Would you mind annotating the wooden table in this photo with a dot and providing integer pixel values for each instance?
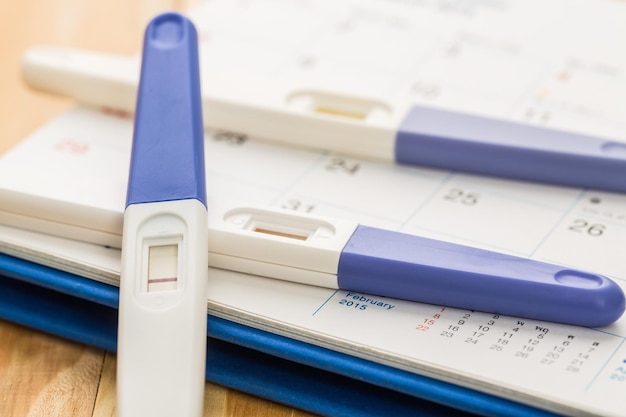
(42, 375)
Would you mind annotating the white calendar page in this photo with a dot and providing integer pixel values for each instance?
(559, 64)
(555, 63)
(81, 159)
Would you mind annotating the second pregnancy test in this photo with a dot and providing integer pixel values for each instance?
(163, 282)
(369, 127)
(345, 255)
(336, 253)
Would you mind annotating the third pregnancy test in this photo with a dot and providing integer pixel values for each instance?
(374, 128)
(163, 280)
(344, 255)
(341, 254)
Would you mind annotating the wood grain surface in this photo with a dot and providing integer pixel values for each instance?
(42, 375)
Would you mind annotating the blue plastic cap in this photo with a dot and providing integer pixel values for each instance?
(408, 267)
(446, 139)
(167, 160)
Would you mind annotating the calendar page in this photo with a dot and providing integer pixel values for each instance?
(80, 160)
(554, 63)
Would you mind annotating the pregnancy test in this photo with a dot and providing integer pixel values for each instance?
(344, 255)
(365, 127)
(163, 284)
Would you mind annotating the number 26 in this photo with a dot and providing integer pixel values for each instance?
(583, 226)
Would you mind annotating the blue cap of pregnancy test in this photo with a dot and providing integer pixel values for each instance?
(167, 160)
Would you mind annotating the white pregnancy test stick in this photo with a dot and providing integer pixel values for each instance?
(336, 253)
(360, 126)
(163, 285)
(341, 254)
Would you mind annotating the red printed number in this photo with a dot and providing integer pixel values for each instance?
(72, 147)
